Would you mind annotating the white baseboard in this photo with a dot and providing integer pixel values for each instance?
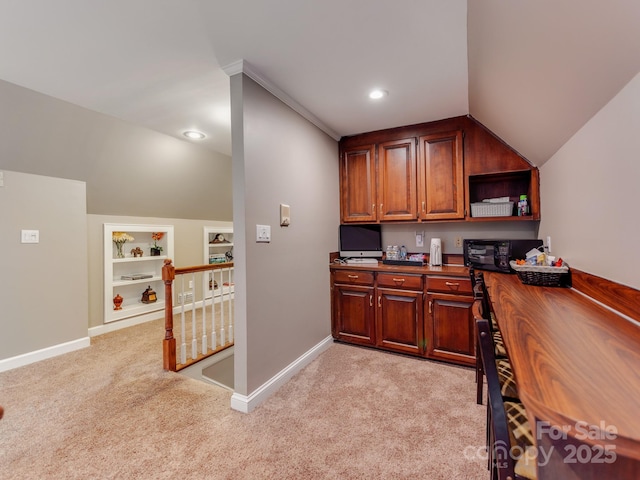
(124, 323)
(246, 403)
(43, 354)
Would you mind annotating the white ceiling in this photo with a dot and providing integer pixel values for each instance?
(534, 72)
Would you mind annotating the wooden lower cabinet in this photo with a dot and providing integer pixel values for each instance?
(399, 321)
(353, 314)
(421, 315)
(449, 328)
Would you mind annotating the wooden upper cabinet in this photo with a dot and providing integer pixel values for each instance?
(358, 184)
(397, 180)
(432, 172)
(441, 176)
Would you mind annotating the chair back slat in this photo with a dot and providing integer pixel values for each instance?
(500, 443)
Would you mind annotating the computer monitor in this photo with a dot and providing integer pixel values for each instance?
(361, 241)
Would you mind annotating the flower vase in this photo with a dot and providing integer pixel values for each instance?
(120, 253)
(155, 252)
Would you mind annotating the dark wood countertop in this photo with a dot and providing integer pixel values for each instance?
(452, 270)
(574, 360)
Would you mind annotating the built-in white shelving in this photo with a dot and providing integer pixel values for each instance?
(147, 266)
(218, 248)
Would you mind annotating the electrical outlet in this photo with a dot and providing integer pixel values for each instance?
(187, 297)
(419, 239)
(549, 243)
(459, 242)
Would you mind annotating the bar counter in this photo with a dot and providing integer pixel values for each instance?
(577, 366)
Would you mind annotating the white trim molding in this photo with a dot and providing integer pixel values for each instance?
(242, 66)
(43, 354)
(246, 403)
(126, 322)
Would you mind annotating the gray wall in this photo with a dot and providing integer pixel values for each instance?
(128, 170)
(403, 234)
(283, 301)
(43, 287)
(589, 191)
(126, 173)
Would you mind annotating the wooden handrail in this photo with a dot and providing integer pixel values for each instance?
(169, 273)
(201, 268)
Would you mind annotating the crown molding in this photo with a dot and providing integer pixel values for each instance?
(242, 66)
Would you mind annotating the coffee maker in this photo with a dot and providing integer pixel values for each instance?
(435, 252)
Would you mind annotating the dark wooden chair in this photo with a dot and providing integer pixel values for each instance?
(483, 309)
(509, 436)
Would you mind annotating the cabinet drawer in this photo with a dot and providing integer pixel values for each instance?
(458, 285)
(353, 277)
(400, 280)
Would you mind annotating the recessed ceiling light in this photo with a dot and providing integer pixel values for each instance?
(377, 94)
(194, 135)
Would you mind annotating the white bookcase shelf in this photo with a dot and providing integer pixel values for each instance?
(131, 289)
(218, 245)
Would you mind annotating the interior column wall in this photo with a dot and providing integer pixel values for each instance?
(283, 159)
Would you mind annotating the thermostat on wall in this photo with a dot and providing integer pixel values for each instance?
(285, 215)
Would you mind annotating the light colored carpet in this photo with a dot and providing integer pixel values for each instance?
(111, 412)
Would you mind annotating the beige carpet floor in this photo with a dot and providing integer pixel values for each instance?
(111, 412)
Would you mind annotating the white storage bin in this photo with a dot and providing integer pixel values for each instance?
(490, 209)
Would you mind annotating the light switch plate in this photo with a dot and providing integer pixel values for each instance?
(30, 236)
(263, 233)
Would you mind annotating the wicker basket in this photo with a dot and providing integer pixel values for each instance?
(490, 209)
(540, 275)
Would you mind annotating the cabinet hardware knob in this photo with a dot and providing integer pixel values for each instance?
(371, 300)
(430, 306)
(379, 300)
(452, 284)
(380, 209)
(399, 280)
(424, 207)
(373, 208)
(353, 277)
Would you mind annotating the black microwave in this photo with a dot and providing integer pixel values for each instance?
(496, 254)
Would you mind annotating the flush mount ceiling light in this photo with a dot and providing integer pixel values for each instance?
(194, 135)
(377, 94)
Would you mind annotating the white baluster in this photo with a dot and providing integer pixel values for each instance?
(204, 312)
(229, 302)
(214, 339)
(222, 340)
(183, 345)
(194, 334)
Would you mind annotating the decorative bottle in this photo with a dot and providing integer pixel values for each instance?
(523, 206)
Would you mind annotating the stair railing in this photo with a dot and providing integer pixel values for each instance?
(204, 304)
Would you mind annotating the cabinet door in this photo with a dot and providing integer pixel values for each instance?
(397, 180)
(441, 176)
(399, 320)
(449, 328)
(353, 319)
(358, 184)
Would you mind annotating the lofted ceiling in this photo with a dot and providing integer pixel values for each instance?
(532, 71)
